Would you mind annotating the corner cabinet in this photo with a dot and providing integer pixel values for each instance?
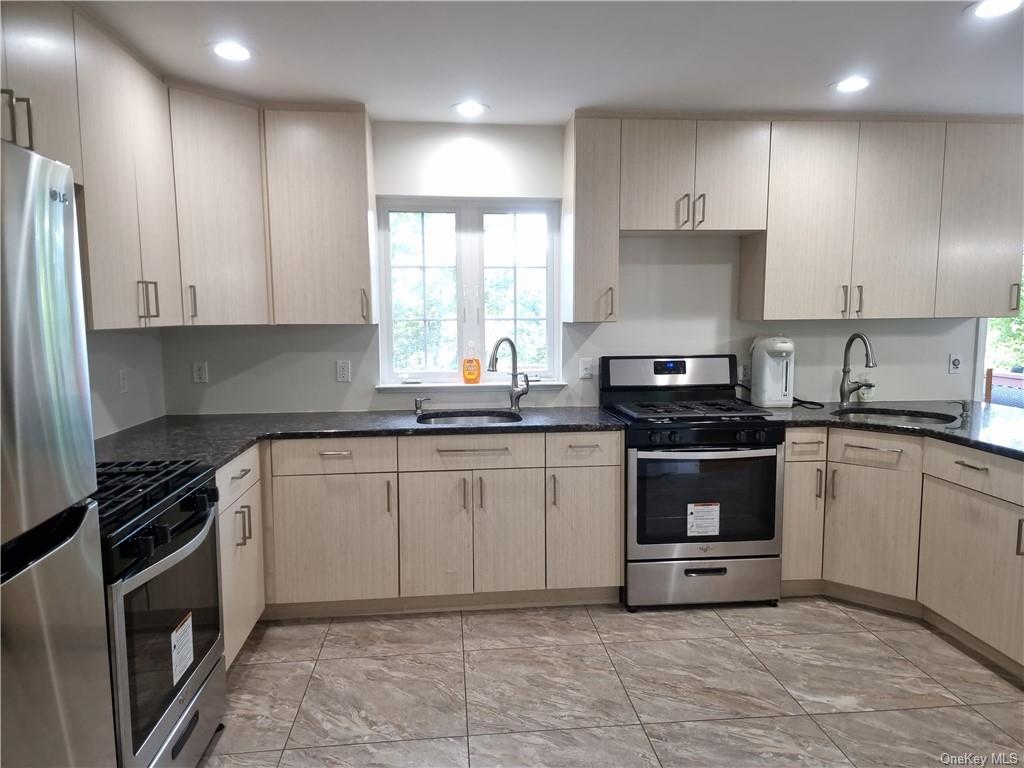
(321, 216)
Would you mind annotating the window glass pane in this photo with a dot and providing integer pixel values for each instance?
(442, 345)
(531, 292)
(407, 345)
(407, 293)
(531, 240)
(439, 231)
(406, 239)
(499, 239)
(499, 292)
(532, 343)
(441, 293)
(494, 330)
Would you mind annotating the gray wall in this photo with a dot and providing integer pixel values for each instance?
(139, 355)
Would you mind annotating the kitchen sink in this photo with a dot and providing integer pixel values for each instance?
(469, 418)
(895, 416)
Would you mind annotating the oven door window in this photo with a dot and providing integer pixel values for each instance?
(158, 612)
(686, 499)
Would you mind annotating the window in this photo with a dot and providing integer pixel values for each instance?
(459, 275)
(1003, 366)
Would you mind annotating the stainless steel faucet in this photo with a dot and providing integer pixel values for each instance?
(516, 392)
(847, 387)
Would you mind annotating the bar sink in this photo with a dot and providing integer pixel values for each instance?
(894, 416)
(469, 418)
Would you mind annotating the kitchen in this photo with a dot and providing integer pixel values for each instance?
(517, 407)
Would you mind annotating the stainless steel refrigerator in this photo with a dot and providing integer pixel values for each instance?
(56, 703)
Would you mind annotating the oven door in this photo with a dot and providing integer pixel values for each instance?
(703, 503)
(166, 637)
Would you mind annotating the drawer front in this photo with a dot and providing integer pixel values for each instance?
(334, 456)
(449, 452)
(875, 449)
(807, 444)
(238, 476)
(584, 449)
(997, 476)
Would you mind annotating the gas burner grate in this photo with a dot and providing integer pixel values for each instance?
(130, 485)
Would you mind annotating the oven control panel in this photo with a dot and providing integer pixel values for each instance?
(722, 434)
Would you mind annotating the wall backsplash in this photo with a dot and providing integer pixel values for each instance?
(139, 355)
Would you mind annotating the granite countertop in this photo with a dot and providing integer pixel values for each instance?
(993, 428)
(216, 439)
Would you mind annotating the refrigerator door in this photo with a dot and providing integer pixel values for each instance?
(56, 707)
(48, 461)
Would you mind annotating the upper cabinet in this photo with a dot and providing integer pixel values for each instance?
(590, 220)
(981, 238)
(320, 212)
(685, 174)
(219, 190)
(39, 63)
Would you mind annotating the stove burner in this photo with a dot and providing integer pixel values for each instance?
(689, 409)
(127, 487)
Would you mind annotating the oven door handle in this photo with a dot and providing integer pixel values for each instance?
(742, 453)
(150, 573)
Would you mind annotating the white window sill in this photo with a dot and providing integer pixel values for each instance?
(440, 386)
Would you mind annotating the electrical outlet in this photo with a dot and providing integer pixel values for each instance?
(955, 362)
(586, 367)
(344, 371)
(743, 371)
(122, 380)
(200, 372)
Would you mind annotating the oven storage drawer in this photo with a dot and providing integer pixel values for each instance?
(675, 582)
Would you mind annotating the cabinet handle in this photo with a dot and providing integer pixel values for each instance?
(13, 110)
(481, 480)
(465, 495)
(554, 490)
(860, 300)
(193, 302)
(144, 285)
(31, 146)
(703, 207)
(156, 297)
(821, 480)
(335, 453)
(834, 471)
(1020, 536)
(241, 511)
(846, 299)
(248, 517)
(611, 300)
(1015, 296)
(364, 304)
(873, 448)
(970, 466)
(808, 442)
(583, 446)
(503, 449)
(680, 205)
(387, 484)
(241, 474)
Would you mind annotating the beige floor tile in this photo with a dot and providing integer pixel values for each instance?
(393, 635)
(520, 689)
(272, 641)
(915, 737)
(1009, 717)
(419, 753)
(527, 627)
(969, 680)
(789, 617)
(358, 700)
(262, 700)
(847, 672)
(242, 760)
(794, 741)
(620, 746)
(616, 625)
(706, 679)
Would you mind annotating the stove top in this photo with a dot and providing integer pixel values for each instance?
(129, 492)
(689, 410)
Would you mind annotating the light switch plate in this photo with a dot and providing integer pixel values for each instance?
(586, 367)
(343, 372)
(122, 380)
(956, 361)
(200, 372)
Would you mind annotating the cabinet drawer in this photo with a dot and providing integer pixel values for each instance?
(238, 476)
(875, 449)
(498, 451)
(333, 456)
(997, 476)
(584, 449)
(807, 444)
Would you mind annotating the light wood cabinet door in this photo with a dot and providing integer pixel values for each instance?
(39, 62)
(508, 529)
(982, 231)
(731, 174)
(435, 533)
(317, 203)
(657, 162)
(872, 522)
(240, 532)
(218, 186)
(971, 571)
(809, 244)
(896, 233)
(585, 527)
(803, 520)
(109, 213)
(335, 537)
(590, 221)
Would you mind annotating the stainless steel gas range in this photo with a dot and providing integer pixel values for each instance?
(704, 482)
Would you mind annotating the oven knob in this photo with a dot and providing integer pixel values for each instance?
(741, 436)
(144, 546)
(654, 436)
(760, 435)
(673, 437)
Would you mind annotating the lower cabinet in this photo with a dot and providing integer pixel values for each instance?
(335, 537)
(436, 533)
(240, 537)
(803, 520)
(584, 527)
(508, 529)
(971, 571)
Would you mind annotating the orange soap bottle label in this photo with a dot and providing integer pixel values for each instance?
(471, 370)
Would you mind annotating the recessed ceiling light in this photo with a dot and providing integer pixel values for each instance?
(852, 83)
(232, 51)
(470, 108)
(988, 9)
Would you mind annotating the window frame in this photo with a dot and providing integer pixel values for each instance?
(469, 272)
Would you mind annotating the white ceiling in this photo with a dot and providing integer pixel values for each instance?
(534, 62)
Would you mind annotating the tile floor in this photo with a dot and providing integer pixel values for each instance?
(810, 683)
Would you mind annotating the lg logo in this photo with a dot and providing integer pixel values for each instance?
(704, 547)
(58, 197)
